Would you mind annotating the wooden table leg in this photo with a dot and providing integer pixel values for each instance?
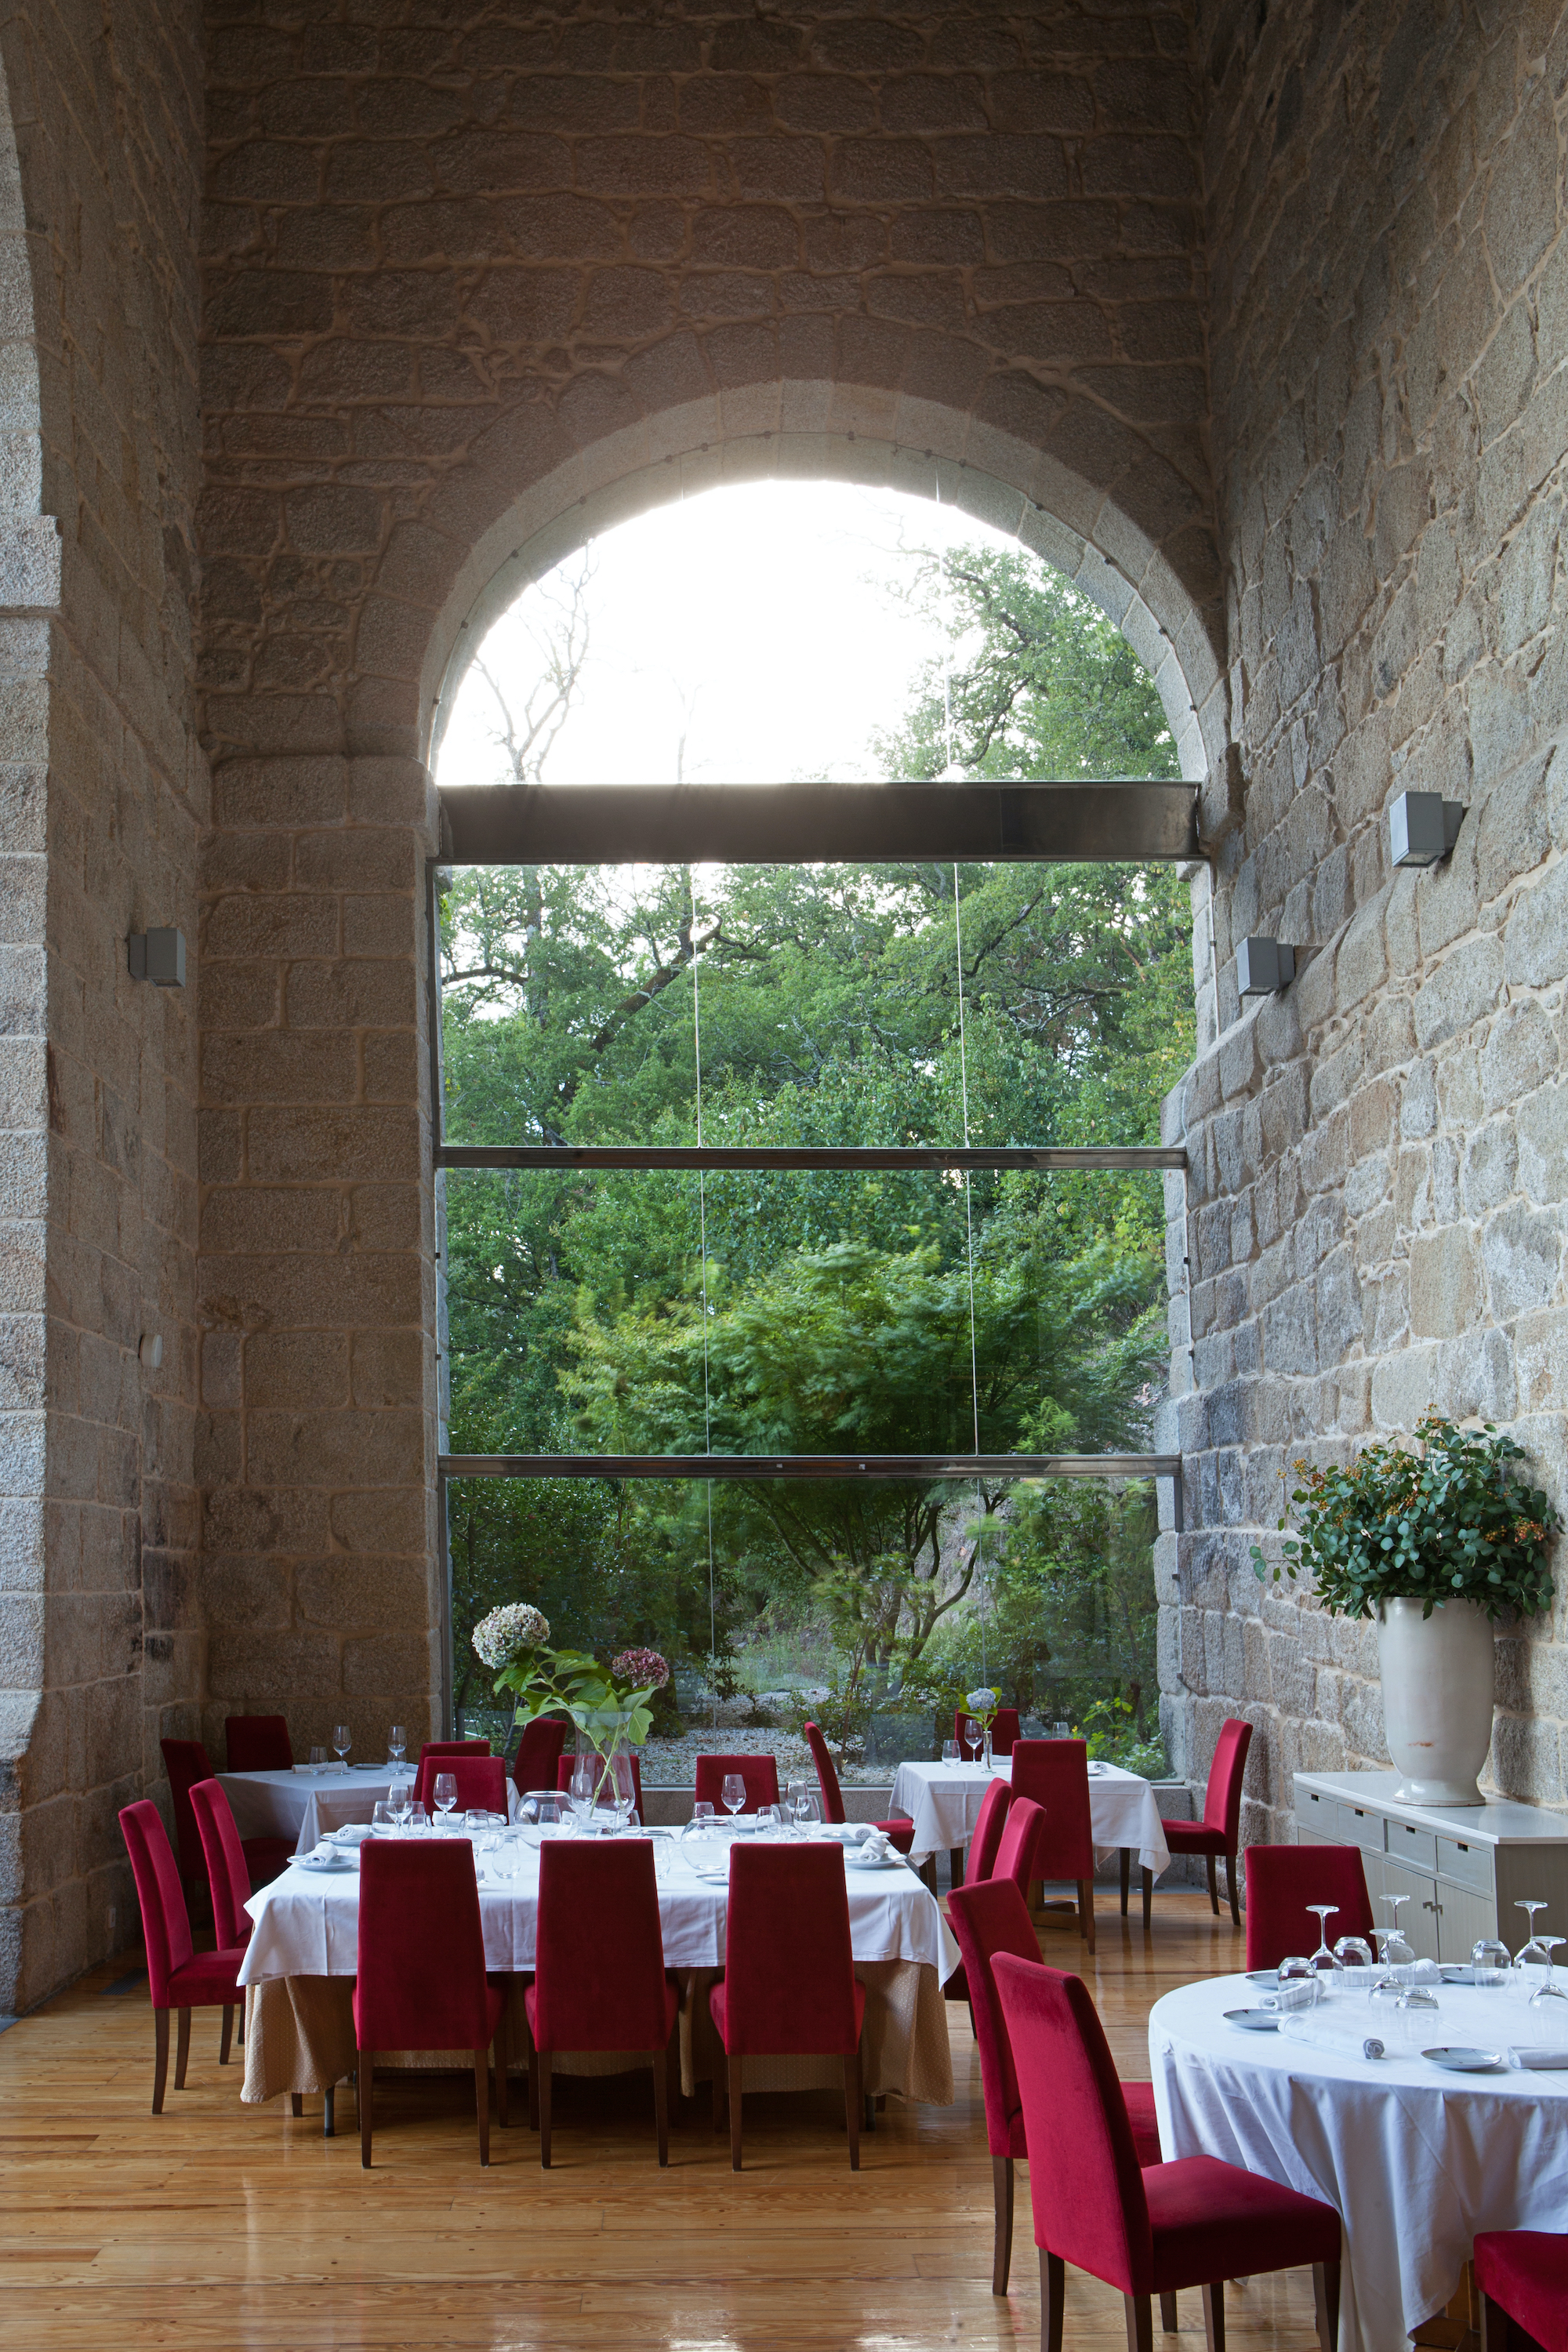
(1126, 1876)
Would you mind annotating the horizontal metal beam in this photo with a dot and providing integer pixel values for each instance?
(1048, 1157)
(754, 1466)
(1122, 822)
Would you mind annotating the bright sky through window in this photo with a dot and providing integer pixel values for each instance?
(751, 634)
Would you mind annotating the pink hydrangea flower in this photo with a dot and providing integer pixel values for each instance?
(642, 1667)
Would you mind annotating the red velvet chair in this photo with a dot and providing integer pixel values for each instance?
(568, 1765)
(1523, 2275)
(984, 1847)
(1003, 1730)
(1055, 1773)
(258, 1743)
(453, 1748)
(227, 1876)
(538, 1754)
(900, 1834)
(1219, 1830)
(1281, 1880)
(1017, 1850)
(185, 1762)
(600, 1982)
(759, 1773)
(789, 1985)
(990, 1916)
(421, 1983)
(179, 1977)
(1193, 2222)
(481, 1782)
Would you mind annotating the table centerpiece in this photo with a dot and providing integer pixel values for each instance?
(610, 1706)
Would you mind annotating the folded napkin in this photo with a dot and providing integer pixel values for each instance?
(1538, 2057)
(875, 1847)
(1346, 2029)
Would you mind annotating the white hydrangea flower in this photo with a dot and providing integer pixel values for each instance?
(506, 1633)
(981, 1702)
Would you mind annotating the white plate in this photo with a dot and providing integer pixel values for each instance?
(874, 1862)
(326, 1863)
(1094, 1769)
(1460, 2060)
(1254, 2020)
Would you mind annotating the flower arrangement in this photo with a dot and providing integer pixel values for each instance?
(611, 1705)
(510, 1632)
(982, 1704)
(1449, 1523)
(641, 1666)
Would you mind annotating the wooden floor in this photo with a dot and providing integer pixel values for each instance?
(222, 2226)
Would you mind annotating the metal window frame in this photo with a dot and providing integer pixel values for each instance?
(1123, 821)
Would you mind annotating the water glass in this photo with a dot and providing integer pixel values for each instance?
(767, 1821)
(733, 1792)
(1353, 1954)
(1489, 1963)
(396, 1744)
(1062, 1730)
(582, 1793)
(807, 1812)
(318, 1759)
(342, 1740)
(1301, 1986)
(476, 1818)
(384, 1817)
(1418, 2017)
(418, 1819)
(550, 1810)
(446, 1793)
(950, 1751)
(622, 1789)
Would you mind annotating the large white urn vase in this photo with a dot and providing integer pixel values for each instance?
(1436, 1697)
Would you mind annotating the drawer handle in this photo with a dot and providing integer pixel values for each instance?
(1431, 1906)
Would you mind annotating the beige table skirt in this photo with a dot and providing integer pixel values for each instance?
(299, 2036)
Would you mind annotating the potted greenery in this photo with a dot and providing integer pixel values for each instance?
(610, 1706)
(1437, 1546)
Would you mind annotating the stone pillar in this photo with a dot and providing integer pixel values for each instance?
(316, 1456)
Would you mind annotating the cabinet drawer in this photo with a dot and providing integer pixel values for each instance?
(1360, 1827)
(1468, 1866)
(1319, 1814)
(1417, 1847)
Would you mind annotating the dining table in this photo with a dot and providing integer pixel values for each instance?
(304, 1802)
(943, 1801)
(303, 1954)
(1416, 2158)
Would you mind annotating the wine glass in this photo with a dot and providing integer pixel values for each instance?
(950, 1751)
(971, 1735)
(1323, 1958)
(1551, 1995)
(1490, 1962)
(342, 1740)
(807, 1812)
(1396, 1953)
(1532, 1955)
(584, 1781)
(383, 1818)
(733, 1792)
(400, 1796)
(396, 1744)
(622, 1789)
(446, 1793)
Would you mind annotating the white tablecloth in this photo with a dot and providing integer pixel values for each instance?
(943, 1801)
(1415, 2160)
(307, 1923)
(304, 1806)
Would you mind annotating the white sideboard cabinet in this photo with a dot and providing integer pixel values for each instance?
(1464, 1866)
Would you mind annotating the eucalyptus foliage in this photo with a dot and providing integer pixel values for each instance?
(1450, 1523)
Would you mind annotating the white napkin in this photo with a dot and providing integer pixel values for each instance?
(1344, 2029)
(1537, 2057)
(875, 1847)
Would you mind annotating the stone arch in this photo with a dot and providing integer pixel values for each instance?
(805, 429)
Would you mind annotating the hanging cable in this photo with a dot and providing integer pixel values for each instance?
(703, 1247)
(969, 1252)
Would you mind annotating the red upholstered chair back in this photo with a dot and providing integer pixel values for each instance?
(568, 1765)
(185, 1762)
(826, 1777)
(258, 1743)
(1221, 1798)
(481, 1781)
(538, 1754)
(1281, 1880)
(165, 1922)
(421, 1948)
(988, 1829)
(1003, 1730)
(990, 1915)
(1084, 2179)
(454, 1747)
(599, 1959)
(1055, 1773)
(1018, 1854)
(759, 1773)
(227, 1873)
(789, 1974)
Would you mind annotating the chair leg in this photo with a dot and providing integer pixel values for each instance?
(532, 2086)
(1326, 2296)
(1126, 1876)
(1085, 1911)
(483, 2101)
(225, 2037)
(928, 1871)
(735, 2068)
(1494, 2321)
(1053, 2293)
(1213, 2315)
(715, 2095)
(330, 2113)
(1148, 1878)
(1235, 1890)
(1140, 2323)
(365, 2086)
(955, 1865)
(546, 2062)
(182, 2049)
(852, 2108)
(1213, 1889)
(160, 2057)
(296, 2103)
(1002, 2245)
(503, 2063)
(1169, 2320)
(661, 2103)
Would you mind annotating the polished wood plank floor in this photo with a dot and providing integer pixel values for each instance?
(220, 2226)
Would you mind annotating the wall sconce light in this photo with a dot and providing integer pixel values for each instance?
(158, 956)
(1423, 828)
(1263, 967)
(151, 1349)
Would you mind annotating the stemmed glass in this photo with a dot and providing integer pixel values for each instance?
(1322, 1959)
(446, 1793)
(1535, 1954)
(580, 1793)
(342, 1740)
(622, 1789)
(972, 1735)
(806, 1810)
(1550, 1995)
(1396, 1952)
(396, 1744)
(400, 1800)
(733, 1792)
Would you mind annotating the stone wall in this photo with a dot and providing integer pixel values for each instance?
(102, 792)
(1380, 1155)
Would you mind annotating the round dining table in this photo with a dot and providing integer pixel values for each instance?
(1414, 2159)
(303, 1955)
